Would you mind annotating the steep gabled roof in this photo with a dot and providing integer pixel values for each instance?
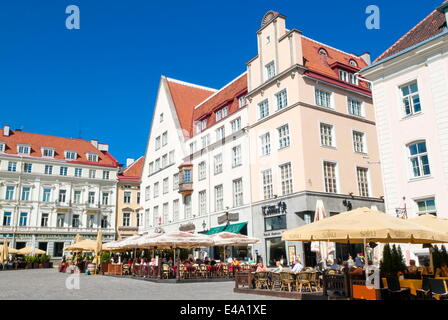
(134, 171)
(227, 96)
(60, 145)
(429, 27)
(185, 97)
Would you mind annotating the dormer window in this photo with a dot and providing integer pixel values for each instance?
(323, 52)
(48, 152)
(222, 113)
(23, 149)
(2, 147)
(242, 101)
(348, 77)
(353, 63)
(92, 157)
(70, 155)
(201, 125)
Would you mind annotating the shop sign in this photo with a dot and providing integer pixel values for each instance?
(188, 227)
(273, 234)
(280, 208)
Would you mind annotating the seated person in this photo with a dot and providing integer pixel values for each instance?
(261, 267)
(279, 267)
(426, 270)
(412, 268)
(442, 271)
(235, 262)
(298, 266)
(334, 265)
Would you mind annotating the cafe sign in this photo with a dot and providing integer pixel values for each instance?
(280, 208)
(187, 227)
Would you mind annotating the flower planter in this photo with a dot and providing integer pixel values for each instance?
(28, 266)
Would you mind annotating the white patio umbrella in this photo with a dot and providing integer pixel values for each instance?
(129, 243)
(179, 239)
(226, 239)
(323, 249)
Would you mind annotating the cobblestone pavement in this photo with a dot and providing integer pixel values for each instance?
(42, 284)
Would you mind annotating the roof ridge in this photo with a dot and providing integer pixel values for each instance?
(402, 37)
(350, 54)
(132, 164)
(188, 84)
(52, 136)
(218, 91)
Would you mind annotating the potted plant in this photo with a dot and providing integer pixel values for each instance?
(29, 262)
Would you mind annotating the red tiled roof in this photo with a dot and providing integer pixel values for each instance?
(429, 27)
(227, 96)
(327, 66)
(134, 171)
(185, 97)
(60, 145)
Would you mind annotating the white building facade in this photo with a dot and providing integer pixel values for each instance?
(53, 188)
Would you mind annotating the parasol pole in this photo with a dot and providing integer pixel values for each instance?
(431, 261)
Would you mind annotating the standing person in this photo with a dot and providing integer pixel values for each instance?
(359, 261)
(350, 262)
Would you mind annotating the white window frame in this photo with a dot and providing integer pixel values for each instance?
(361, 107)
(330, 100)
(263, 109)
(281, 98)
(333, 135)
(336, 172)
(284, 137)
(363, 142)
(410, 97)
(265, 144)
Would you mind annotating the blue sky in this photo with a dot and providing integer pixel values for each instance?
(100, 82)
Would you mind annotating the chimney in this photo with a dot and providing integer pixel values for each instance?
(6, 130)
(94, 143)
(444, 9)
(103, 147)
(366, 58)
(129, 161)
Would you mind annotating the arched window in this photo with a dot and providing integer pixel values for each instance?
(323, 52)
(353, 63)
(418, 159)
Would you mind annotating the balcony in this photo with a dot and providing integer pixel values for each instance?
(186, 179)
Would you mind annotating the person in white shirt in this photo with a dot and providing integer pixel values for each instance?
(298, 266)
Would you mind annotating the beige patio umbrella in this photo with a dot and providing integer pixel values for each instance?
(183, 240)
(322, 248)
(146, 240)
(98, 247)
(28, 250)
(83, 245)
(4, 254)
(129, 243)
(10, 250)
(364, 225)
(232, 239)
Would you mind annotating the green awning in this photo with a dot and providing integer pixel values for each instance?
(215, 230)
(235, 228)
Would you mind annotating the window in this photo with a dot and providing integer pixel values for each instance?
(77, 197)
(63, 171)
(104, 222)
(60, 220)
(343, 75)
(363, 181)
(330, 177)
(164, 161)
(158, 143)
(242, 101)
(161, 118)
(265, 144)
(26, 193)
(147, 217)
(267, 184)
(23, 149)
(156, 190)
(323, 98)
(275, 223)
(139, 219)
(237, 192)
(90, 221)
(27, 167)
(187, 206)
(44, 220)
(219, 198)
(106, 175)
(263, 109)
(105, 199)
(326, 135)
(147, 193)
(358, 142)
(418, 157)
(7, 218)
(155, 215)
(283, 136)
(176, 181)
(75, 221)
(47, 152)
(355, 107)
(270, 70)
(348, 77)
(62, 196)
(205, 141)
(427, 206)
(282, 99)
(193, 147)
(70, 155)
(12, 166)
(127, 197)
(411, 99)
(198, 127)
(164, 138)
(46, 196)
(23, 221)
(126, 219)
(286, 176)
(165, 186)
(92, 157)
(92, 173)
(218, 163)
(221, 113)
(202, 171)
(78, 172)
(236, 125)
(220, 133)
(202, 202)
(171, 156)
(203, 124)
(9, 193)
(48, 169)
(236, 156)
(165, 213)
(91, 197)
(187, 176)
(157, 165)
(176, 210)
(2, 147)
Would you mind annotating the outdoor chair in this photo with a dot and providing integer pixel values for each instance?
(261, 280)
(225, 271)
(425, 292)
(182, 271)
(394, 290)
(331, 271)
(416, 275)
(126, 269)
(275, 281)
(287, 280)
(303, 281)
(315, 280)
(165, 271)
(203, 270)
(438, 288)
(308, 269)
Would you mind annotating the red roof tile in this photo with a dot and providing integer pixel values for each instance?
(59, 144)
(134, 171)
(429, 27)
(227, 96)
(185, 97)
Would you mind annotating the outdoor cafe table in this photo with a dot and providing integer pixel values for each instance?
(412, 284)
